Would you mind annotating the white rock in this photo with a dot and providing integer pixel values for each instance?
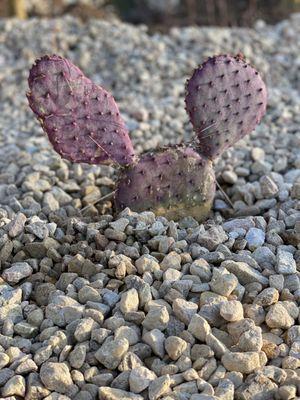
(140, 378)
(285, 263)
(129, 301)
(241, 362)
(232, 310)
(199, 327)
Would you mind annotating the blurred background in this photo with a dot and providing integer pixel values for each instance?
(158, 14)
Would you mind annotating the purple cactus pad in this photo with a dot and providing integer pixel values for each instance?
(225, 99)
(173, 182)
(81, 119)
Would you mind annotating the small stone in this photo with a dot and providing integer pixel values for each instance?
(91, 194)
(295, 350)
(130, 361)
(129, 301)
(175, 346)
(244, 223)
(264, 256)
(4, 360)
(6, 250)
(285, 263)
(120, 224)
(274, 373)
(257, 154)
(39, 229)
(88, 293)
(190, 375)
(42, 292)
(295, 192)
(255, 312)
(17, 272)
(212, 238)
(15, 386)
(42, 354)
(99, 335)
(77, 356)
(255, 238)
(277, 282)
(26, 367)
(140, 378)
(63, 310)
(147, 263)
(244, 272)
(155, 339)
(17, 225)
(216, 345)
(50, 202)
(56, 376)
(172, 275)
(25, 330)
(113, 234)
(235, 329)
(5, 375)
(201, 269)
(290, 362)
(235, 377)
(199, 327)
(268, 187)
(232, 310)
(84, 329)
(293, 334)
(225, 389)
(159, 387)
(157, 228)
(208, 369)
(241, 362)
(111, 353)
(223, 282)
(184, 310)
(229, 177)
(287, 392)
(110, 298)
(260, 387)
(278, 317)
(171, 260)
(102, 379)
(108, 393)
(157, 317)
(267, 297)
(251, 340)
(129, 333)
(36, 317)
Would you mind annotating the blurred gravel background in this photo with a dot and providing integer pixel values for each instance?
(134, 306)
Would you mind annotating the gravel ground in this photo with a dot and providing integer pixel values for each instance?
(138, 307)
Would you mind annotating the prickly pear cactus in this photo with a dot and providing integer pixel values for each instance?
(81, 119)
(173, 182)
(225, 99)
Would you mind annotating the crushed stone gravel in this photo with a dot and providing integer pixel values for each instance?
(96, 306)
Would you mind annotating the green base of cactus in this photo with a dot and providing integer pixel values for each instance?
(200, 211)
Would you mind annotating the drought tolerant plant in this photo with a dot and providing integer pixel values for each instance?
(225, 99)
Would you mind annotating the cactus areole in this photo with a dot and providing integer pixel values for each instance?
(225, 99)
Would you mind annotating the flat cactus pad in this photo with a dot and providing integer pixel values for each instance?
(225, 99)
(81, 119)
